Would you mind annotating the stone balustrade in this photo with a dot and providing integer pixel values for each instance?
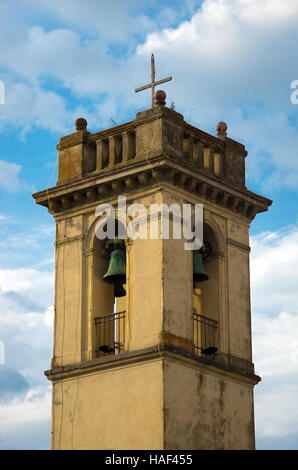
(114, 149)
(154, 133)
(158, 146)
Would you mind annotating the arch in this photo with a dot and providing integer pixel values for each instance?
(211, 226)
(206, 294)
(99, 295)
(213, 230)
(91, 234)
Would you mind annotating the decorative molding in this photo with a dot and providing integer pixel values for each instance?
(67, 240)
(161, 171)
(240, 245)
(223, 364)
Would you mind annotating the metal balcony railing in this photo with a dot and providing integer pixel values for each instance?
(110, 334)
(205, 335)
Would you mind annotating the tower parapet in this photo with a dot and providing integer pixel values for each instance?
(158, 143)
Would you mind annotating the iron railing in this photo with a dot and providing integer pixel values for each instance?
(110, 334)
(205, 335)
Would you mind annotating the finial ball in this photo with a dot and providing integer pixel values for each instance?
(221, 129)
(160, 98)
(80, 124)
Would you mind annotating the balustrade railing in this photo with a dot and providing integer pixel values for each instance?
(205, 335)
(117, 146)
(203, 153)
(197, 149)
(110, 334)
(115, 149)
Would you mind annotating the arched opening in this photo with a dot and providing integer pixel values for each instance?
(108, 311)
(206, 298)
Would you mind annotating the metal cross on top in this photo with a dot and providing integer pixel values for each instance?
(153, 83)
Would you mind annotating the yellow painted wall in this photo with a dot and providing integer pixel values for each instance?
(122, 408)
(239, 302)
(206, 410)
(119, 408)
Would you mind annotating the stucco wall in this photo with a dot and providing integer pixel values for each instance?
(206, 410)
(119, 408)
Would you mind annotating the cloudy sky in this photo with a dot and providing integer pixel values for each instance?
(231, 60)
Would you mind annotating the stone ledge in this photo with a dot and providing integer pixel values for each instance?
(233, 366)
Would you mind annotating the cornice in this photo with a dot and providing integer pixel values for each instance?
(160, 170)
(221, 364)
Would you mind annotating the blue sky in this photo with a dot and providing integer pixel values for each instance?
(231, 60)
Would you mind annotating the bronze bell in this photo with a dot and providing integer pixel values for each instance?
(116, 273)
(199, 273)
(119, 290)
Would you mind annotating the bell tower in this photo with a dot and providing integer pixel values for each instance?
(152, 342)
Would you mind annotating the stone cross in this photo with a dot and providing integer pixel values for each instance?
(153, 83)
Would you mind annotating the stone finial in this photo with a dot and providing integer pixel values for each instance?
(221, 129)
(80, 124)
(160, 98)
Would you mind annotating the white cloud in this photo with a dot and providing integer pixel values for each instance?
(201, 51)
(274, 295)
(27, 337)
(276, 411)
(25, 424)
(31, 283)
(49, 317)
(20, 246)
(99, 19)
(275, 341)
(274, 274)
(29, 106)
(233, 60)
(26, 296)
(26, 323)
(93, 16)
(5, 218)
(9, 176)
(32, 407)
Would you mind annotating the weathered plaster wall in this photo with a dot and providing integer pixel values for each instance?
(118, 408)
(68, 292)
(206, 409)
